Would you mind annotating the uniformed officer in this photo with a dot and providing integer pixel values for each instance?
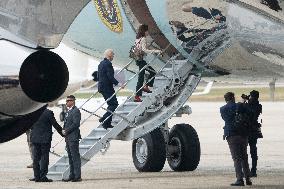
(41, 136)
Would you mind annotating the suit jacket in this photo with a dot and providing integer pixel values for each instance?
(228, 113)
(42, 129)
(72, 124)
(106, 76)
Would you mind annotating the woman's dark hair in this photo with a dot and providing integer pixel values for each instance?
(141, 31)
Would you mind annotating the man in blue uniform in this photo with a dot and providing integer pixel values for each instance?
(236, 140)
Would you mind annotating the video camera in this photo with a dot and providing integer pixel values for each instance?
(245, 97)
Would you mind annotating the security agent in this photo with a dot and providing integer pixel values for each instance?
(255, 109)
(237, 142)
(72, 135)
(41, 136)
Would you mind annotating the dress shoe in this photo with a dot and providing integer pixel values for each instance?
(77, 180)
(107, 126)
(101, 119)
(137, 99)
(238, 183)
(146, 89)
(45, 179)
(32, 179)
(67, 180)
(248, 181)
(30, 166)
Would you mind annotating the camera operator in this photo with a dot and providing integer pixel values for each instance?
(255, 109)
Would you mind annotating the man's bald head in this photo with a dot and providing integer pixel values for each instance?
(109, 54)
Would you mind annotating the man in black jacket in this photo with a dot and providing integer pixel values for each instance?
(105, 86)
(41, 136)
(72, 135)
(255, 110)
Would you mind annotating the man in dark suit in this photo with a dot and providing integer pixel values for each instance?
(41, 136)
(105, 86)
(237, 141)
(72, 136)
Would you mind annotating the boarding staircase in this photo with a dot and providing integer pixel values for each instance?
(174, 84)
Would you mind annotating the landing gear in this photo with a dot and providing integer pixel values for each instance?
(183, 148)
(149, 152)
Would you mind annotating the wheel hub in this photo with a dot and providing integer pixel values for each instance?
(141, 150)
(176, 153)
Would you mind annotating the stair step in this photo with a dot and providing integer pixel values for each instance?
(127, 106)
(61, 167)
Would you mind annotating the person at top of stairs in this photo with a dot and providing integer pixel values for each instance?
(141, 43)
(105, 87)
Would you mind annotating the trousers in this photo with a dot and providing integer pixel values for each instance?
(40, 159)
(112, 105)
(74, 159)
(152, 72)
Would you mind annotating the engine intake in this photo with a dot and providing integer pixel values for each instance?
(44, 76)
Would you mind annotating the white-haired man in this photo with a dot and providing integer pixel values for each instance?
(105, 86)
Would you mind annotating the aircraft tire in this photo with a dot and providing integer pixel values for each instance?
(61, 116)
(187, 156)
(149, 152)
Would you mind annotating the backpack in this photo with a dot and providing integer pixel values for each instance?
(242, 122)
(135, 52)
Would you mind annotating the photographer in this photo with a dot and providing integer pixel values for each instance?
(255, 109)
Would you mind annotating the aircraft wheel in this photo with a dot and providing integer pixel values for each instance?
(149, 152)
(62, 116)
(184, 148)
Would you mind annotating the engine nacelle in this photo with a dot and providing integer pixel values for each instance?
(43, 76)
(28, 80)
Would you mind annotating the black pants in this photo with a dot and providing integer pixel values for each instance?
(152, 72)
(238, 148)
(253, 152)
(74, 159)
(112, 105)
(40, 159)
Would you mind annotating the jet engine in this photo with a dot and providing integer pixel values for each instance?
(29, 79)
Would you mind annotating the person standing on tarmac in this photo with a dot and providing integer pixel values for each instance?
(255, 109)
(41, 136)
(237, 141)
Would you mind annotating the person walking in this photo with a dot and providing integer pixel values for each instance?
(236, 140)
(105, 86)
(72, 135)
(141, 43)
(40, 137)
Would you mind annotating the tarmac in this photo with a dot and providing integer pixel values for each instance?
(116, 170)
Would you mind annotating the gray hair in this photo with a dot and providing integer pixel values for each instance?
(108, 52)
